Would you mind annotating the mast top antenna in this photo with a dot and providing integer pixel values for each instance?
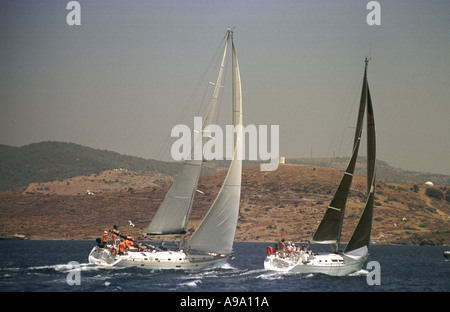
(230, 32)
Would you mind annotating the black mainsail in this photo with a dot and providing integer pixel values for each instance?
(330, 228)
(361, 235)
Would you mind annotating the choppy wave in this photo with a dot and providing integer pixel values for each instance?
(193, 283)
(361, 272)
(270, 276)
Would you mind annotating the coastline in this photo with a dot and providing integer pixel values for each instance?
(265, 241)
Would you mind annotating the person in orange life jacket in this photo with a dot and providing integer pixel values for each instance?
(129, 241)
(122, 247)
(105, 238)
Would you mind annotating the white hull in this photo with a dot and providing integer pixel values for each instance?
(330, 264)
(157, 260)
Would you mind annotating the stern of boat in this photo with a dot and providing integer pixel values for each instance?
(278, 264)
(101, 256)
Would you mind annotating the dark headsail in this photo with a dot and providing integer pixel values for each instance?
(361, 235)
(330, 228)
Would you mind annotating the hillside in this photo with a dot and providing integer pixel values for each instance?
(106, 181)
(385, 172)
(292, 199)
(59, 161)
(50, 161)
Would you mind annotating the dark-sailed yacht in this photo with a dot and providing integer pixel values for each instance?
(330, 228)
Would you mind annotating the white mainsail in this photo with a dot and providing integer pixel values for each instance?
(173, 214)
(216, 232)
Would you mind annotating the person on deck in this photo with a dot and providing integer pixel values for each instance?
(114, 250)
(283, 248)
(305, 257)
(114, 234)
(129, 241)
(122, 247)
(105, 238)
(137, 244)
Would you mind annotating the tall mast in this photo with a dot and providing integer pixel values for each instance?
(173, 214)
(330, 228)
(216, 232)
(362, 105)
(360, 239)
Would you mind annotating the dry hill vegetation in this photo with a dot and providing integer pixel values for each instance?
(292, 199)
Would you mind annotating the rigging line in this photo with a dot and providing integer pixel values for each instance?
(350, 109)
(166, 142)
(221, 94)
(205, 100)
(202, 80)
(190, 101)
(208, 68)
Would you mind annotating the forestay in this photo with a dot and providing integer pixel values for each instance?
(216, 232)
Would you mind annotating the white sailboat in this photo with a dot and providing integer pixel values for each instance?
(329, 230)
(212, 242)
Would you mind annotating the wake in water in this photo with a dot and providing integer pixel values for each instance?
(67, 267)
(225, 278)
(361, 272)
(228, 277)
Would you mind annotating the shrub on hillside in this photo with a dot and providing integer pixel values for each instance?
(434, 193)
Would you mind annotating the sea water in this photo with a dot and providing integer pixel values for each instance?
(62, 266)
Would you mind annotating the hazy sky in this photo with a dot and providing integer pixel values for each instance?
(120, 79)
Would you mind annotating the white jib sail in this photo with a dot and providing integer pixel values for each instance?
(216, 232)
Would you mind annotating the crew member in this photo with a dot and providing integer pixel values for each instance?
(137, 244)
(129, 241)
(283, 248)
(122, 246)
(114, 234)
(105, 238)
